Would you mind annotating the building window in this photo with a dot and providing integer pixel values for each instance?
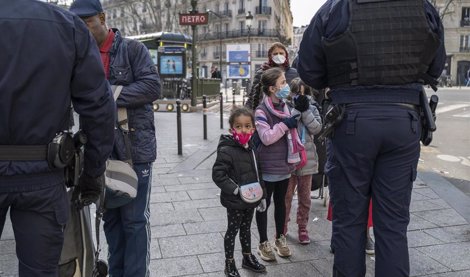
(262, 26)
(242, 4)
(242, 26)
(465, 17)
(464, 45)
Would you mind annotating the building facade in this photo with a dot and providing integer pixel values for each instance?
(455, 16)
(271, 22)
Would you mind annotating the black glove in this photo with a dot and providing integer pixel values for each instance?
(301, 103)
(90, 189)
(291, 122)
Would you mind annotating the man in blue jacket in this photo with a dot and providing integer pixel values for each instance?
(48, 61)
(374, 56)
(128, 65)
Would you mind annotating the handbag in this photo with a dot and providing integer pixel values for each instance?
(120, 178)
(252, 192)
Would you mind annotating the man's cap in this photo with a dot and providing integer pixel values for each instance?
(86, 8)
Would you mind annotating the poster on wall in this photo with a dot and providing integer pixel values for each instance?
(171, 65)
(238, 71)
(238, 53)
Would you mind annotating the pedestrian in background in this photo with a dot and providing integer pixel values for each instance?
(279, 153)
(235, 166)
(375, 67)
(301, 180)
(48, 61)
(129, 67)
(277, 57)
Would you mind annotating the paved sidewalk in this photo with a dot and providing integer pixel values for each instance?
(188, 222)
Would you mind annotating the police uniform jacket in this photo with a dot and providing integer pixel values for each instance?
(234, 166)
(332, 21)
(132, 67)
(48, 60)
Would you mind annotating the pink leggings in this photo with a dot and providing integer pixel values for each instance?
(303, 184)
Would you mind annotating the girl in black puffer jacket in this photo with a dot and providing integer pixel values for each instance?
(236, 166)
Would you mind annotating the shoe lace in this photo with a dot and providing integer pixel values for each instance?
(267, 246)
(282, 241)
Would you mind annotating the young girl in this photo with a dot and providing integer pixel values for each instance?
(309, 125)
(236, 166)
(278, 155)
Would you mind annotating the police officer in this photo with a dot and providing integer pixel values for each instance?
(48, 61)
(374, 55)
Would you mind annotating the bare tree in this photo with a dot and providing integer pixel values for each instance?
(444, 7)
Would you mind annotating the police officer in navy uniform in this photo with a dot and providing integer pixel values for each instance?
(375, 56)
(48, 61)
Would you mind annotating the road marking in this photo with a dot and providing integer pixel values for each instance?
(465, 161)
(451, 108)
(462, 115)
(448, 158)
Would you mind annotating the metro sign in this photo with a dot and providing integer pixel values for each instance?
(194, 18)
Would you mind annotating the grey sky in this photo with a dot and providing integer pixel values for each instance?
(304, 10)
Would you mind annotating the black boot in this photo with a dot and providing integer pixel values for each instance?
(250, 262)
(231, 269)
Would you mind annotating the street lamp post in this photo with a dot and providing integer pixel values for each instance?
(248, 22)
(194, 89)
(220, 46)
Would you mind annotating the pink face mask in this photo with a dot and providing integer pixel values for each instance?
(242, 138)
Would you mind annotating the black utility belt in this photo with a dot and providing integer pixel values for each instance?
(401, 105)
(57, 153)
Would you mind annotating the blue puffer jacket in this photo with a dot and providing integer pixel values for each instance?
(132, 67)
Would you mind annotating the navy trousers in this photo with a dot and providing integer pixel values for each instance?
(38, 218)
(374, 153)
(127, 230)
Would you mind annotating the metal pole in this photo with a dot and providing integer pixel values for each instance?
(204, 115)
(220, 50)
(178, 127)
(194, 88)
(233, 96)
(221, 110)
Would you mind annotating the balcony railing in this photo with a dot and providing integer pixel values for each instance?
(465, 22)
(226, 13)
(241, 11)
(263, 10)
(239, 33)
(464, 49)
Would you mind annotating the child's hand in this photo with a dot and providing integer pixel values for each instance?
(235, 192)
(262, 206)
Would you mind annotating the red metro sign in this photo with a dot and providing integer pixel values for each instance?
(194, 18)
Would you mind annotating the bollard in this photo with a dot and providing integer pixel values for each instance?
(221, 111)
(233, 97)
(178, 127)
(204, 115)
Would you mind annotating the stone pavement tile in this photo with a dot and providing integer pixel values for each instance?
(422, 264)
(454, 255)
(417, 223)
(158, 189)
(441, 203)
(180, 266)
(325, 266)
(427, 205)
(191, 245)
(445, 217)
(204, 193)
(174, 217)
(217, 213)
(155, 252)
(164, 180)
(427, 192)
(187, 187)
(196, 204)
(8, 265)
(451, 234)
(168, 231)
(421, 238)
(292, 269)
(216, 261)
(197, 179)
(206, 227)
(7, 246)
(465, 273)
(161, 207)
(170, 196)
(313, 251)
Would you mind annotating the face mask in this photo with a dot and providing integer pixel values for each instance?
(242, 138)
(279, 59)
(283, 92)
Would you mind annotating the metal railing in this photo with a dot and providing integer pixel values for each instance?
(239, 33)
(263, 10)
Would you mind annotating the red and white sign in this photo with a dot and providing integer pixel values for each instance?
(194, 18)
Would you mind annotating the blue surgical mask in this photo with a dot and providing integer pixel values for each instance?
(283, 92)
